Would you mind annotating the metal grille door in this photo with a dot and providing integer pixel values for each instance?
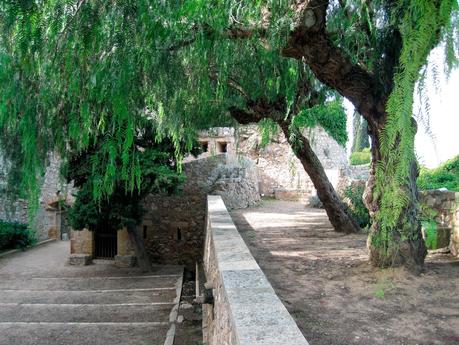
(106, 244)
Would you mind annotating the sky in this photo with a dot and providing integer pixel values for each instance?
(442, 143)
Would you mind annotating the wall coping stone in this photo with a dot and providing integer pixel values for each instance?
(258, 317)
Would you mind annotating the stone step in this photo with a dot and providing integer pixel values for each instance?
(87, 297)
(82, 334)
(96, 283)
(84, 313)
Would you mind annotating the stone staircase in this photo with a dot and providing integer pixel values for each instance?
(108, 307)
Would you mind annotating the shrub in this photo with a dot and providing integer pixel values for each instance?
(353, 197)
(315, 202)
(430, 234)
(15, 235)
(360, 157)
(445, 176)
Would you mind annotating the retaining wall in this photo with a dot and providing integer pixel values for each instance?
(246, 310)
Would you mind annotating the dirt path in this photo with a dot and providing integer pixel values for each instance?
(45, 301)
(324, 280)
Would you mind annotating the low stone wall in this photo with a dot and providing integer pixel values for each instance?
(246, 310)
(446, 206)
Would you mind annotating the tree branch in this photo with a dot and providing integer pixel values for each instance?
(234, 33)
(310, 42)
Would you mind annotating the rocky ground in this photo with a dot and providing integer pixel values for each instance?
(335, 296)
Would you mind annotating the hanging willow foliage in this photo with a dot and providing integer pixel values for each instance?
(73, 72)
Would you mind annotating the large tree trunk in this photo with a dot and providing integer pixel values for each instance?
(402, 244)
(337, 211)
(139, 248)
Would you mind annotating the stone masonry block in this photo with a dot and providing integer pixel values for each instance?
(80, 259)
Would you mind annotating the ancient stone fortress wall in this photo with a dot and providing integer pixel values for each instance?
(173, 227)
(446, 205)
(280, 173)
(245, 308)
(47, 220)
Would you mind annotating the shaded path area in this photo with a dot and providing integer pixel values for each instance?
(43, 300)
(335, 296)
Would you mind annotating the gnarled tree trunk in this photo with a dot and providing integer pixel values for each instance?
(368, 92)
(403, 244)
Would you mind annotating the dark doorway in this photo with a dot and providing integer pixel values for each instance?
(105, 243)
(222, 147)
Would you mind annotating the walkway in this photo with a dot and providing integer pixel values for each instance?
(334, 295)
(45, 301)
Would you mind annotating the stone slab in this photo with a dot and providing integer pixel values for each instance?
(80, 259)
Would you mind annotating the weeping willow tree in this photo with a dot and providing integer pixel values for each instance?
(76, 70)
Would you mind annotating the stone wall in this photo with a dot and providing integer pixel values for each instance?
(52, 190)
(174, 225)
(445, 204)
(281, 174)
(245, 309)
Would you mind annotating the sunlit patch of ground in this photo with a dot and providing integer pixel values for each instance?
(336, 297)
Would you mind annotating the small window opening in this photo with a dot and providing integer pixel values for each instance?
(179, 234)
(222, 147)
(205, 146)
(145, 228)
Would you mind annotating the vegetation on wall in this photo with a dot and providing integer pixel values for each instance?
(14, 235)
(444, 176)
(360, 157)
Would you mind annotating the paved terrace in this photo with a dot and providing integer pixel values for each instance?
(44, 301)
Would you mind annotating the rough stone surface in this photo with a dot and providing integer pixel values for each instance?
(173, 226)
(80, 259)
(446, 206)
(52, 189)
(82, 242)
(124, 244)
(280, 172)
(246, 310)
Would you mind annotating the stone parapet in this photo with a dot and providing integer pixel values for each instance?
(246, 310)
